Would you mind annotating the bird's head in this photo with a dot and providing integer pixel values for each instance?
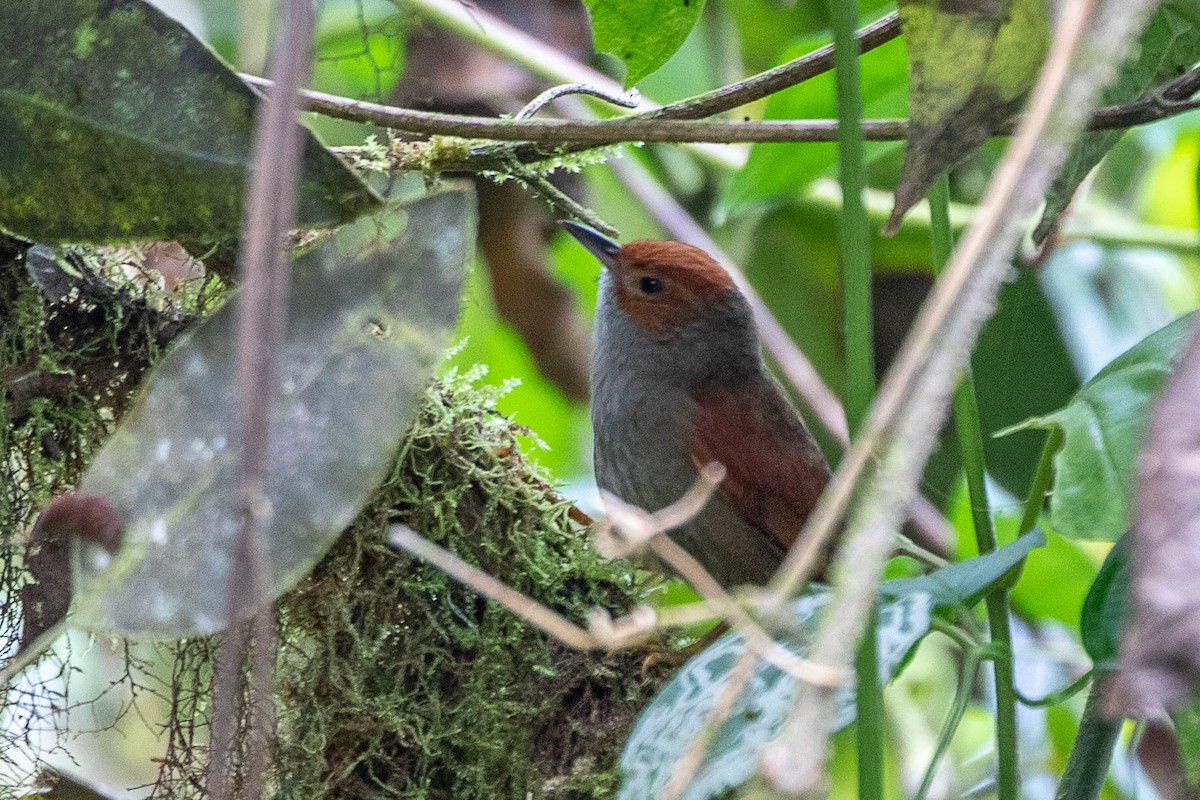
(661, 286)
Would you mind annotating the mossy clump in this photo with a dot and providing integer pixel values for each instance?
(395, 680)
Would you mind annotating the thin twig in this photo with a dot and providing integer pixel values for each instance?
(901, 429)
(646, 529)
(648, 128)
(525, 607)
(639, 527)
(262, 316)
(629, 99)
(687, 765)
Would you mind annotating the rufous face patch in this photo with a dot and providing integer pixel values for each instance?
(663, 285)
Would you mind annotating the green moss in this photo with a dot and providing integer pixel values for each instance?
(393, 680)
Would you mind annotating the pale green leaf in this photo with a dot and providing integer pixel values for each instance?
(969, 66)
(1096, 469)
(642, 33)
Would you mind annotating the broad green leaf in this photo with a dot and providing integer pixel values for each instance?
(118, 124)
(1022, 368)
(371, 311)
(781, 171)
(965, 583)
(1106, 607)
(1169, 45)
(642, 33)
(970, 66)
(669, 724)
(1095, 470)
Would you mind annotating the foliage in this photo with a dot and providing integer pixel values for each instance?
(374, 305)
(392, 678)
(1103, 425)
(1169, 45)
(642, 33)
(141, 131)
(969, 69)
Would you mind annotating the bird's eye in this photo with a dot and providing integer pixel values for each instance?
(650, 285)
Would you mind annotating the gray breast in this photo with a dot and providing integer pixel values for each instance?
(640, 419)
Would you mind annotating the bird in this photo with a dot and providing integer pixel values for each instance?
(677, 382)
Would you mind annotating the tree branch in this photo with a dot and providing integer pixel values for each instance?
(656, 126)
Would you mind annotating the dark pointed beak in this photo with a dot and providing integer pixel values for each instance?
(599, 245)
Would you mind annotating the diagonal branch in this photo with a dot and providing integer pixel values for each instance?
(880, 471)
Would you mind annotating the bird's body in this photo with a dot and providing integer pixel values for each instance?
(678, 382)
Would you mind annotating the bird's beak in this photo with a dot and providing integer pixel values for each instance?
(599, 245)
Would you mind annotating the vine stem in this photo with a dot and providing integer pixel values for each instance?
(970, 440)
(855, 242)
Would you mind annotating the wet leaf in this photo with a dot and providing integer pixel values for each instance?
(118, 124)
(965, 583)
(669, 724)
(1106, 607)
(1169, 45)
(1103, 426)
(371, 311)
(1159, 667)
(969, 66)
(642, 33)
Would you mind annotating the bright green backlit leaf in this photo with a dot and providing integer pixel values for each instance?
(118, 124)
(1169, 45)
(642, 33)
(1096, 468)
(370, 313)
(779, 171)
(970, 66)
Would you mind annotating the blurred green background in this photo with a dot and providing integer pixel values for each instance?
(1124, 265)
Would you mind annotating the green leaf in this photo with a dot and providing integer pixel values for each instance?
(1022, 368)
(371, 311)
(970, 66)
(668, 725)
(1187, 739)
(1095, 470)
(118, 124)
(965, 583)
(1106, 607)
(642, 33)
(780, 170)
(1169, 44)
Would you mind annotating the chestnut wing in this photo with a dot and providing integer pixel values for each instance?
(774, 469)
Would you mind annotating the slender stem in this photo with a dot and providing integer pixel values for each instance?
(962, 697)
(860, 356)
(1059, 695)
(1043, 476)
(970, 439)
(1092, 752)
